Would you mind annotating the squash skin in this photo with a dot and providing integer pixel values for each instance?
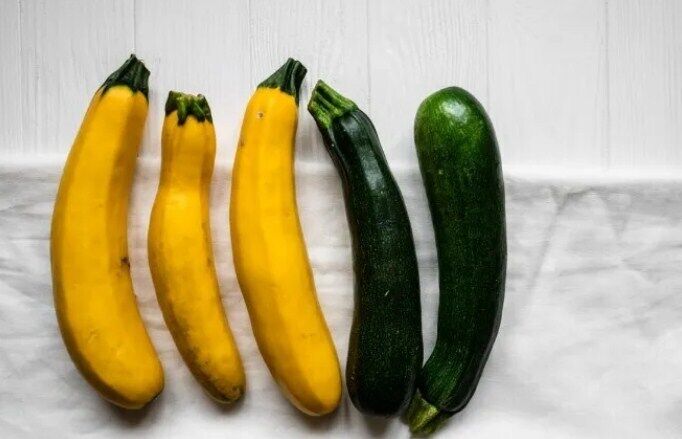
(385, 350)
(461, 168)
(180, 250)
(270, 256)
(93, 291)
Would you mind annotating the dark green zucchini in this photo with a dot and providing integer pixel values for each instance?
(385, 351)
(460, 166)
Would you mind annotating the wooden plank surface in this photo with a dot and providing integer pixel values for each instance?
(68, 48)
(329, 38)
(645, 50)
(196, 47)
(10, 72)
(548, 82)
(417, 48)
(584, 85)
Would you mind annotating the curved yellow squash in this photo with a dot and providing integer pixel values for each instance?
(180, 253)
(269, 251)
(93, 291)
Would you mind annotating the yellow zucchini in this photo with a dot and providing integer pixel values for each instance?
(93, 292)
(180, 252)
(269, 252)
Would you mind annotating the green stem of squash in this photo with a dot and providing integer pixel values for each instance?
(423, 417)
(287, 78)
(133, 74)
(188, 105)
(326, 104)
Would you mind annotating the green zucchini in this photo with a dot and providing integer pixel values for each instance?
(385, 351)
(460, 165)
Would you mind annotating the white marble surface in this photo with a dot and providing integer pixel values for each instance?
(589, 345)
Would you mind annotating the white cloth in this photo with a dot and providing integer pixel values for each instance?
(589, 345)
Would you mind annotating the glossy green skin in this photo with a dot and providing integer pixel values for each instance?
(385, 351)
(460, 166)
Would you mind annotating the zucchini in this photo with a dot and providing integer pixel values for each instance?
(269, 251)
(460, 166)
(93, 291)
(385, 351)
(180, 249)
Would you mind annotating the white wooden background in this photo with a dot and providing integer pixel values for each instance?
(581, 85)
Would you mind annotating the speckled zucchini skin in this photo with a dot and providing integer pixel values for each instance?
(385, 351)
(460, 166)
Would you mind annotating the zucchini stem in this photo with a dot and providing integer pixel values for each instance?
(287, 78)
(326, 104)
(188, 105)
(133, 73)
(423, 417)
